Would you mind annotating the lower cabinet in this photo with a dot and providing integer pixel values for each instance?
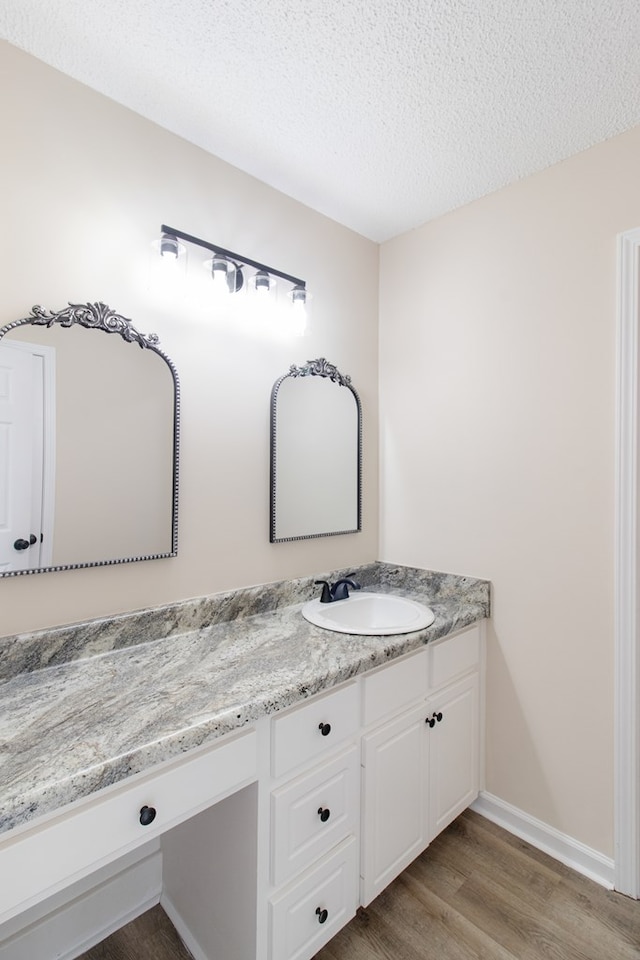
(420, 768)
(272, 838)
(314, 823)
(418, 744)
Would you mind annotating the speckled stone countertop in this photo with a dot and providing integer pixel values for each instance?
(86, 706)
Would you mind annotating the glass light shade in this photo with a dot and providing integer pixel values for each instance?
(299, 295)
(170, 246)
(226, 275)
(169, 249)
(263, 282)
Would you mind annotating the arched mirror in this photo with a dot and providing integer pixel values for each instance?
(316, 454)
(89, 434)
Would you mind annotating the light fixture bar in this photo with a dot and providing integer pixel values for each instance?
(214, 248)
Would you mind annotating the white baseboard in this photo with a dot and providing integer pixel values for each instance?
(184, 933)
(72, 928)
(559, 845)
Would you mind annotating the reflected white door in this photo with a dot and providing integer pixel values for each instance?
(16, 447)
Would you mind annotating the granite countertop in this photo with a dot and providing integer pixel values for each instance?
(84, 707)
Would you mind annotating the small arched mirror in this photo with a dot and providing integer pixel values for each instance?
(316, 454)
(89, 432)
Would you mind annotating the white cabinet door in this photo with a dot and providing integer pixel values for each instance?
(395, 816)
(453, 752)
(16, 445)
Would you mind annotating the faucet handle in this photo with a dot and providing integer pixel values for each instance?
(325, 597)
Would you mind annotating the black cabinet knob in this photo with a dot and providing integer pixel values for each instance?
(147, 815)
(324, 813)
(434, 718)
(322, 915)
(325, 729)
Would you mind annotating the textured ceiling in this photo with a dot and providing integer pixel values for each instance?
(381, 114)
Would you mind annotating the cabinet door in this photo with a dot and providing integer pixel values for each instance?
(394, 791)
(454, 752)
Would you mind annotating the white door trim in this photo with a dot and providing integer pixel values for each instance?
(627, 569)
(47, 467)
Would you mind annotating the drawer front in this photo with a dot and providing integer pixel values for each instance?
(307, 914)
(453, 656)
(313, 813)
(393, 688)
(74, 844)
(309, 732)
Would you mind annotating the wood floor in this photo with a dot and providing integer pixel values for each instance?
(477, 893)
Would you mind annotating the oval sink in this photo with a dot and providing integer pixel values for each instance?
(370, 614)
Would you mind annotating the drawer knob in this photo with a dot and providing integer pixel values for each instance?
(147, 815)
(325, 729)
(438, 716)
(324, 813)
(431, 721)
(322, 915)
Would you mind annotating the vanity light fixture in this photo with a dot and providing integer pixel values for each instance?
(227, 268)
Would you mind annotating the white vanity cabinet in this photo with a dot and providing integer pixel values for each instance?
(262, 845)
(314, 823)
(421, 766)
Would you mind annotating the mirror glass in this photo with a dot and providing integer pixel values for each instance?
(88, 442)
(316, 453)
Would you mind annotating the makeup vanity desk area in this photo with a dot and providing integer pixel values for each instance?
(258, 776)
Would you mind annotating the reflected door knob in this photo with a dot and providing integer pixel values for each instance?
(24, 544)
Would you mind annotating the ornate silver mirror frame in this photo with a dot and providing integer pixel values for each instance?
(100, 317)
(316, 454)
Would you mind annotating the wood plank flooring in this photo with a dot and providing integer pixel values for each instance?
(477, 893)
(151, 937)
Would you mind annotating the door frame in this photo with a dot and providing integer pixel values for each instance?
(627, 570)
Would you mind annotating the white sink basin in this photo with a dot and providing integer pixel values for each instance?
(370, 614)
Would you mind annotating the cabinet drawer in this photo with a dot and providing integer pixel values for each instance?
(72, 845)
(309, 732)
(308, 913)
(393, 688)
(313, 813)
(453, 656)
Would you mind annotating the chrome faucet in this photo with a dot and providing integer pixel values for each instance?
(338, 591)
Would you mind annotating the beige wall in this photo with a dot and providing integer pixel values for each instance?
(85, 186)
(497, 348)
(497, 399)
